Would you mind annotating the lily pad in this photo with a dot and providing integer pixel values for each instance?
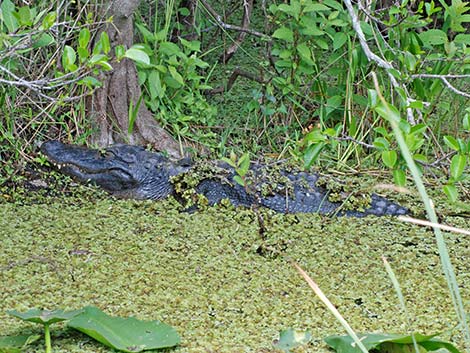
(15, 344)
(124, 334)
(389, 343)
(290, 339)
(45, 317)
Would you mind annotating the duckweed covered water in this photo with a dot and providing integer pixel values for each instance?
(210, 275)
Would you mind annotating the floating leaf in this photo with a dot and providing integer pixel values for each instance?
(124, 334)
(384, 342)
(45, 317)
(290, 339)
(15, 344)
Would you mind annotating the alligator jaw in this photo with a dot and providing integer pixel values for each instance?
(88, 165)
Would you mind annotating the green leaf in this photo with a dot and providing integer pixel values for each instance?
(293, 9)
(399, 177)
(373, 97)
(15, 344)
(119, 51)
(45, 317)
(104, 40)
(315, 7)
(24, 16)
(452, 142)
(176, 75)
(334, 4)
(44, 40)
(102, 60)
(305, 53)
(137, 55)
(124, 334)
(388, 112)
(284, 33)
(83, 54)
(7, 11)
(84, 37)
(389, 158)
(312, 153)
(68, 58)
(322, 44)
(339, 39)
(229, 161)
(239, 180)
(49, 20)
(457, 166)
(155, 85)
(133, 112)
(433, 37)
(345, 344)
(170, 49)
(381, 143)
(290, 339)
(466, 122)
(420, 157)
(171, 82)
(244, 164)
(462, 39)
(451, 191)
(194, 45)
(148, 36)
(90, 82)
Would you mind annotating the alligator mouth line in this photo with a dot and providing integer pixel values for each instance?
(89, 174)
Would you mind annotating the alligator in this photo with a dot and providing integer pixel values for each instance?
(132, 172)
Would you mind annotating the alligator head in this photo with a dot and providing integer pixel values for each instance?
(123, 170)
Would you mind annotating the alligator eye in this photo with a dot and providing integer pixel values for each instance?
(148, 165)
(107, 154)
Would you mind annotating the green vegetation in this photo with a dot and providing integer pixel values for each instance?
(325, 83)
(390, 343)
(123, 334)
(46, 318)
(202, 273)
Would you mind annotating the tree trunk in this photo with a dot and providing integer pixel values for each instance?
(109, 105)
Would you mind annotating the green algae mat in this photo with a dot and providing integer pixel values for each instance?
(210, 275)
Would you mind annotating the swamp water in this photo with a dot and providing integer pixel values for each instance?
(211, 276)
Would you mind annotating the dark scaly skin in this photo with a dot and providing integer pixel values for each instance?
(132, 172)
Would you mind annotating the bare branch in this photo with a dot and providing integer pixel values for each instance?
(444, 78)
(233, 77)
(224, 25)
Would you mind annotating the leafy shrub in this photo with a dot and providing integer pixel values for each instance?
(47, 66)
(174, 86)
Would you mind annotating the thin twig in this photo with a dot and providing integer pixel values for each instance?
(224, 25)
(422, 222)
